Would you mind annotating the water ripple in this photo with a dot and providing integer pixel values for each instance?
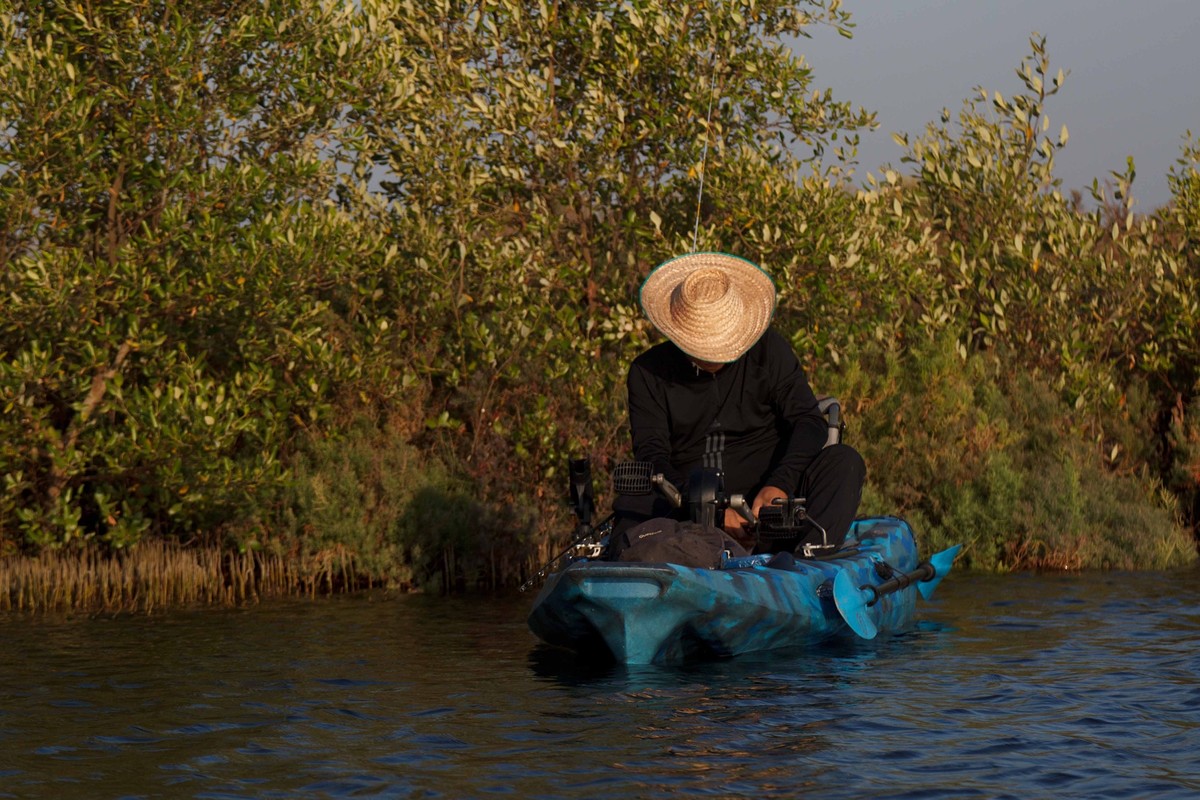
(1018, 686)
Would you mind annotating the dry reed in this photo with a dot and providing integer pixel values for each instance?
(157, 575)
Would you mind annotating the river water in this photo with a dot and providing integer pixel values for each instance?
(1026, 686)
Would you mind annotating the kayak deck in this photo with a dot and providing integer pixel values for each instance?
(665, 613)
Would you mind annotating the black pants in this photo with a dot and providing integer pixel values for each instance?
(831, 487)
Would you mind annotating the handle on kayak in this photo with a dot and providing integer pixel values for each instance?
(739, 504)
(832, 409)
(923, 572)
(668, 489)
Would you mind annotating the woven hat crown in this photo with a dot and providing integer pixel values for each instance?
(713, 306)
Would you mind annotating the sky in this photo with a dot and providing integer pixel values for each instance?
(1132, 88)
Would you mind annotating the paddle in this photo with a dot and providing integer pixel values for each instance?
(852, 602)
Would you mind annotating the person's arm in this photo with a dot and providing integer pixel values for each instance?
(649, 425)
(795, 402)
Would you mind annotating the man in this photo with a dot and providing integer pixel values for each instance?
(726, 391)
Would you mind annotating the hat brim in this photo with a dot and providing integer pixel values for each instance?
(721, 340)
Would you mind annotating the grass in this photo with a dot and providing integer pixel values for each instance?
(157, 575)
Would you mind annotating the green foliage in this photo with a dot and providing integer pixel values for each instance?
(1183, 445)
(985, 457)
(1099, 309)
(538, 159)
(222, 224)
(179, 292)
(980, 241)
(369, 498)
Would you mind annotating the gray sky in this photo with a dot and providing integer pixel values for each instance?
(1133, 87)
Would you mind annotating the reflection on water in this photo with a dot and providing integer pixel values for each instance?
(1020, 686)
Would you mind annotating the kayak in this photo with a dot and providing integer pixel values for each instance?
(659, 613)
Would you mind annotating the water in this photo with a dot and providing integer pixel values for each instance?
(1020, 686)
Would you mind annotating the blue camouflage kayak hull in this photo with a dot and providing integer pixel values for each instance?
(664, 613)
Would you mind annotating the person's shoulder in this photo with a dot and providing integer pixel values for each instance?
(660, 356)
(659, 364)
(772, 345)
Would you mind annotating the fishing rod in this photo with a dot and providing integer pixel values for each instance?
(712, 87)
(583, 501)
(582, 534)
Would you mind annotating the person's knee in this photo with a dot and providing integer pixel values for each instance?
(847, 462)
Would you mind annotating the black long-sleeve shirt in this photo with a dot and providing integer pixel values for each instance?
(755, 419)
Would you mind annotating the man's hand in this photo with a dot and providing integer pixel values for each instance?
(766, 496)
(736, 525)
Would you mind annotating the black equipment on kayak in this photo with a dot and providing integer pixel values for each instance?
(781, 519)
(787, 518)
(638, 477)
(633, 477)
(712, 498)
(706, 496)
(706, 492)
(582, 497)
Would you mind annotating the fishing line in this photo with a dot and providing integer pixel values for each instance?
(712, 62)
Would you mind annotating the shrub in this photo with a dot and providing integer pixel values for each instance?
(991, 459)
(395, 515)
(220, 223)
(180, 292)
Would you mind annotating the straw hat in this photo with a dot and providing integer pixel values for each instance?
(713, 306)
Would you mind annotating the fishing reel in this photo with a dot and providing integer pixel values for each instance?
(587, 539)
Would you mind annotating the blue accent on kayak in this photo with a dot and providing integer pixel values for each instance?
(734, 562)
(941, 563)
(853, 600)
(665, 613)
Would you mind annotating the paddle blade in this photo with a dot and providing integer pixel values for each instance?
(851, 603)
(941, 563)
